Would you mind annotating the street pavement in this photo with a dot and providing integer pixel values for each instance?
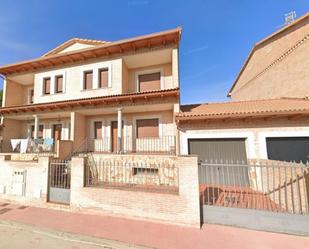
(132, 232)
(19, 236)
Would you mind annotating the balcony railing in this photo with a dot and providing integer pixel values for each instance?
(34, 146)
(153, 145)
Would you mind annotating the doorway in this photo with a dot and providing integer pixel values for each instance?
(57, 128)
(114, 135)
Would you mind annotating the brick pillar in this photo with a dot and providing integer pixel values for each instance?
(77, 178)
(189, 187)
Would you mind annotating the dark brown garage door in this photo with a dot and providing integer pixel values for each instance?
(219, 149)
(288, 148)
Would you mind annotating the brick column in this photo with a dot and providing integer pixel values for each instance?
(189, 188)
(77, 178)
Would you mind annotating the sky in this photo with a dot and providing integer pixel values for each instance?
(217, 35)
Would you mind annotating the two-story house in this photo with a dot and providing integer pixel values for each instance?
(101, 96)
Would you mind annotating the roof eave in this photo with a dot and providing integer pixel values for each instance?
(168, 37)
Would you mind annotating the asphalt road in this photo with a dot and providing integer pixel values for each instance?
(18, 236)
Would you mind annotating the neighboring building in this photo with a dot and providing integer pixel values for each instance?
(86, 91)
(268, 115)
(277, 66)
(275, 129)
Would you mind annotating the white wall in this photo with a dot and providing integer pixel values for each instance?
(73, 81)
(255, 137)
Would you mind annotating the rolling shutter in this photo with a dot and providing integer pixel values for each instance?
(149, 82)
(103, 78)
(88, 78)
(147, 128)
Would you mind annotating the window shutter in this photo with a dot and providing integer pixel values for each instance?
(149, 82)
(88, 78)
(46, 85)
(103, 78)
(59, 84)
(147, 128)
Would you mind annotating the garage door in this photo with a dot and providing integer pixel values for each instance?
(288, 148)
(219, 161)
(219, 149)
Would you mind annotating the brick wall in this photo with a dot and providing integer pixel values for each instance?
(182, 208)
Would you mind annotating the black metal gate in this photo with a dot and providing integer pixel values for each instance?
(59, 181)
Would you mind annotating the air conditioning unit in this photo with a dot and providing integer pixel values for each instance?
(19, 182)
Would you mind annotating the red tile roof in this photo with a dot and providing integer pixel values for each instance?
(240, 109)
(160, 39)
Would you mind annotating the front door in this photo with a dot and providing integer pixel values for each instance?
(57, 132)
(114, 135)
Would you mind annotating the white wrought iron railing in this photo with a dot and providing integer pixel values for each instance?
(126, 174)
(159, 145)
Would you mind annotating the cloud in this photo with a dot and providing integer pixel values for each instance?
(138, 3)
(195, 50)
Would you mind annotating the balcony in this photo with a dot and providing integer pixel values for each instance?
(150, 145)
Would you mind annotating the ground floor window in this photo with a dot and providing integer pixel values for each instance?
(98, 130)
(40, 133)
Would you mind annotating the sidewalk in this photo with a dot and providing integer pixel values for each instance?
(148, 233)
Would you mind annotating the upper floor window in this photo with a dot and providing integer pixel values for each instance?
(149, 82)
(147, 128)
(103, 77)
(59, 84)
(88, 79)
(46, 85)
(31, 95)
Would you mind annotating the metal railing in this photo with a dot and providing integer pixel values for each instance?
(60, 174)
(34, 146)
(162, 177)
(162, 144)
(159, 145)
(262, 185)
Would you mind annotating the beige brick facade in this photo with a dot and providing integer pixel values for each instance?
(277, 66)
(182, 208)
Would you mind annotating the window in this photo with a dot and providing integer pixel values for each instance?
(149, 82)
(98, 130)
(145, 171)
(88, 78)
(147, 128)
(59, 84)
(103, 77)
(31, 94)
(40, 133)
(46, 85)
